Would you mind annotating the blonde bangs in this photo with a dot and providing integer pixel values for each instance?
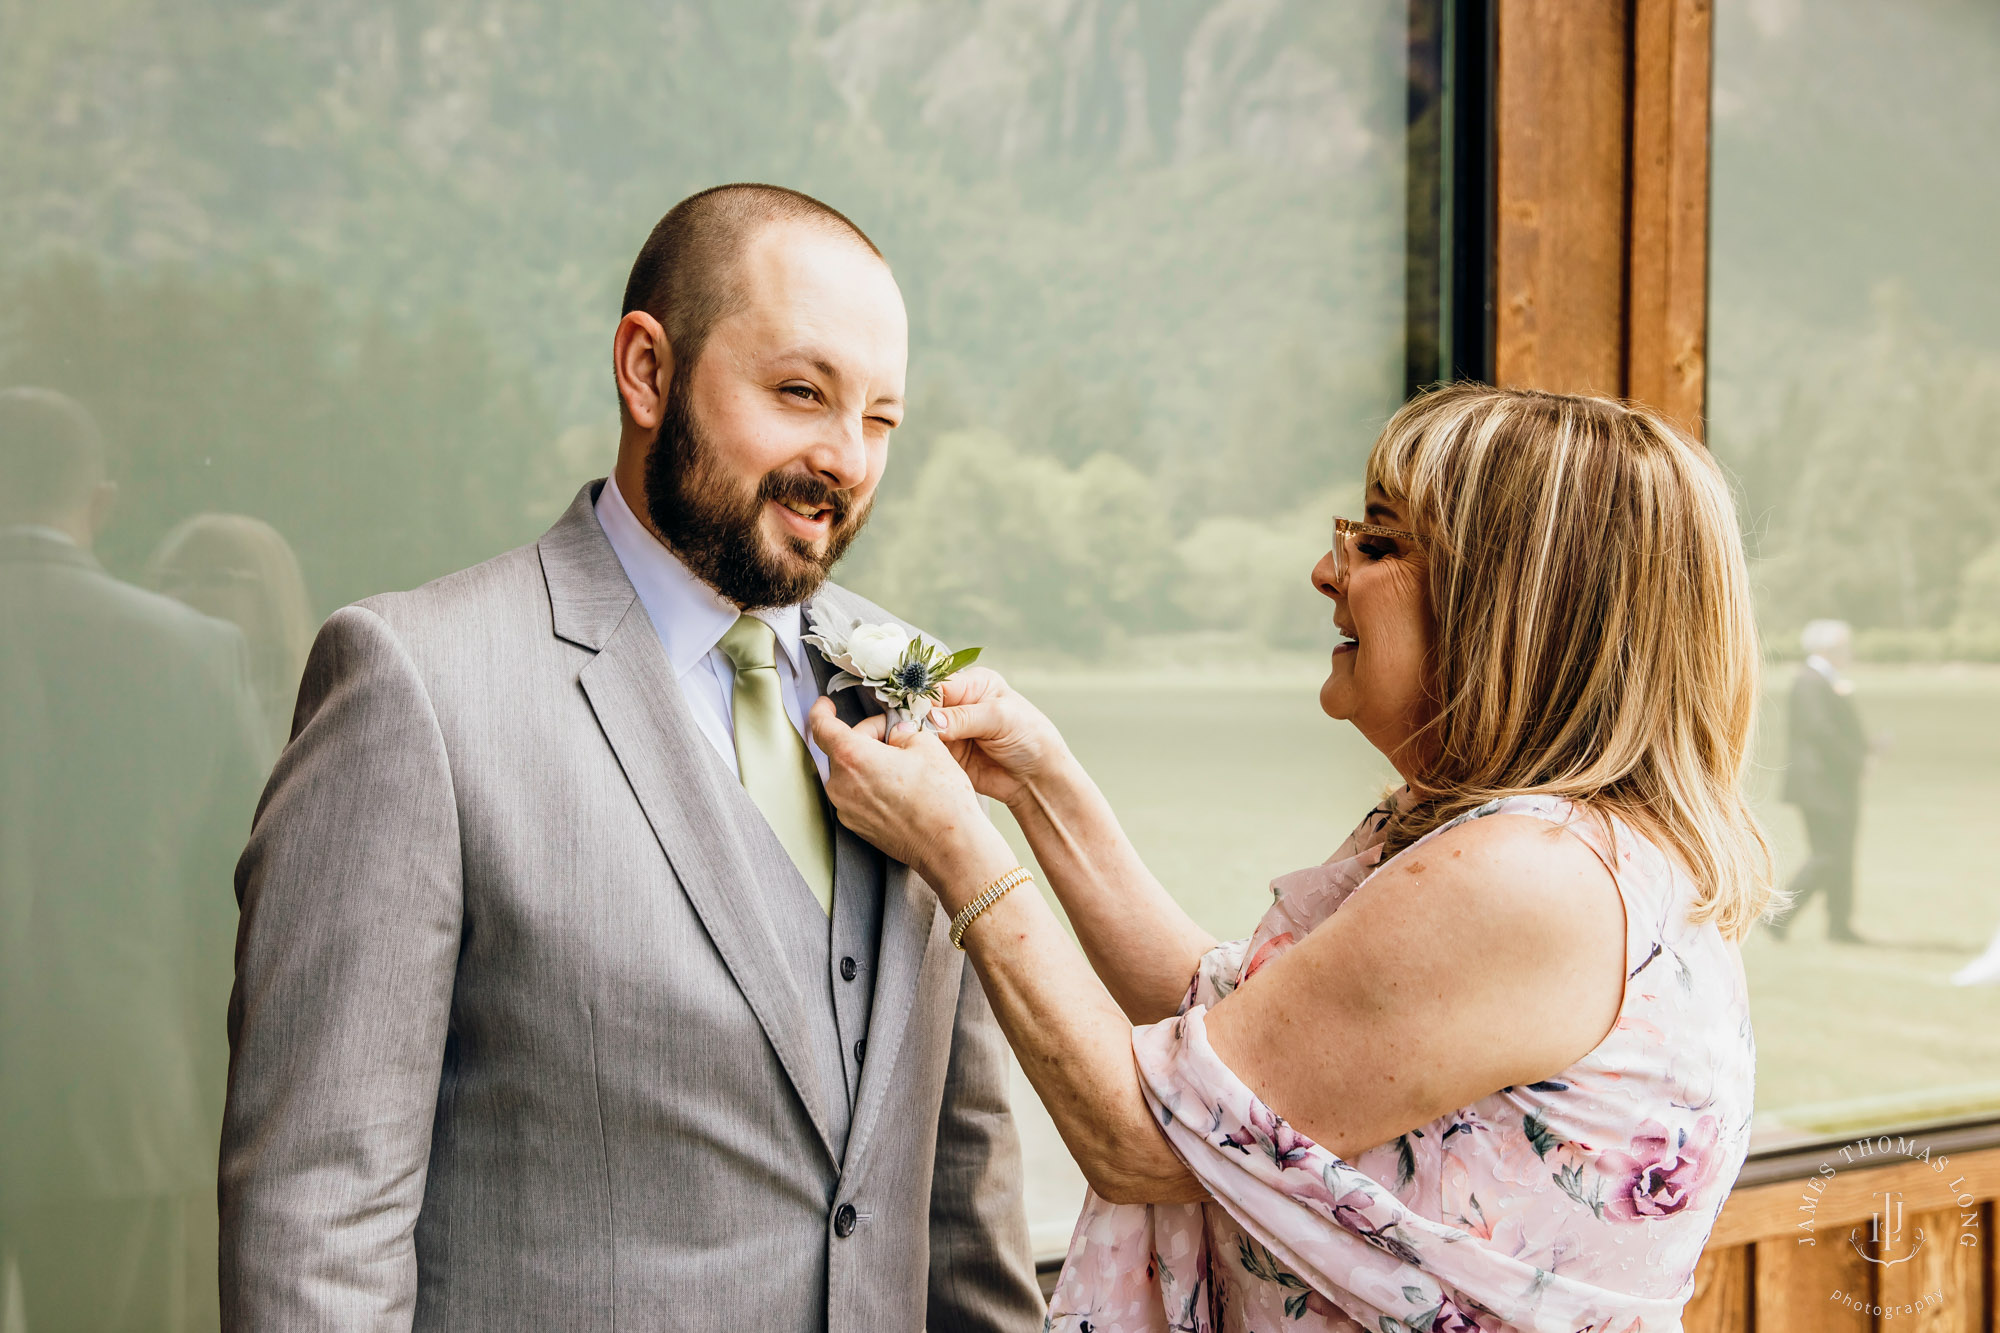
(1595, 638)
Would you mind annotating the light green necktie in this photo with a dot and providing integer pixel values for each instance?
(771, 756)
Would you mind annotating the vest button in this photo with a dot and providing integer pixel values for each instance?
(860, 1047)
(843, 1221)
(848, 967)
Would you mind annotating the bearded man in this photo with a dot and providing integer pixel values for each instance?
(561, 1000)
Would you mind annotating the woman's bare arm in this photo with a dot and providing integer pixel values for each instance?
(1494, 957)
(1140, 941)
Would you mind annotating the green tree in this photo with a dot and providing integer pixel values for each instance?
(994, 546)
(385, 459)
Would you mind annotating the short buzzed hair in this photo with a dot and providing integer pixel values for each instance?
(685, 275)
(51, 455)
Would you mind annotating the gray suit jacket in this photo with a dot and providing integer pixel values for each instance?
(513, 1042)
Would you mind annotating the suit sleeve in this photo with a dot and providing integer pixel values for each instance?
(351, 910)
(982, 1275)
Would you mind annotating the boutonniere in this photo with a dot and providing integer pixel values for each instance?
(906, 671)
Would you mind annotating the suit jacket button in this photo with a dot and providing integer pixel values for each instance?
(843, 1221)
(848, 967)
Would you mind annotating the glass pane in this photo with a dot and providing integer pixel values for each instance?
(333, 291)
(1855, 390)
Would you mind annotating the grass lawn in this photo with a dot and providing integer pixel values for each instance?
(1225, 782)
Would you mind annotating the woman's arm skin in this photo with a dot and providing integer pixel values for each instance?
(1140, 942)
(1073, 1042)
(1493, 958)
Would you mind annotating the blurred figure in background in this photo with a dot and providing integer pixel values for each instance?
(1823, 776)
(131, 748)
(239, 569)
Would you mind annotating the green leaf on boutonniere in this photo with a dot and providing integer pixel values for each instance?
(964, 657)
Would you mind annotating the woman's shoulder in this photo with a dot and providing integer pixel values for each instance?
(1508, 888)
(1520, 845)
(1644, 868)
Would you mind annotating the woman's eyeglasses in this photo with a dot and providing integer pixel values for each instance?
(1346, 530)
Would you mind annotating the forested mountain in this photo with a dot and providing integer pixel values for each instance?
(1167, 232)
(357, 263)
(1855, 317)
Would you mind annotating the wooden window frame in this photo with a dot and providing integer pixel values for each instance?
(1558, 202)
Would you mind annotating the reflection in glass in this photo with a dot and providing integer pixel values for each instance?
(239, 569)
(349, 274)
(130, 752)
(1855, 392)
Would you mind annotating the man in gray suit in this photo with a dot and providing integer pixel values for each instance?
(130, 754)
(561, 1001)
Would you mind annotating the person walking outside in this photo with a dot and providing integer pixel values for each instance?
(1828, 752)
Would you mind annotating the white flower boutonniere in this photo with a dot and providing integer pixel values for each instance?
(907, 672)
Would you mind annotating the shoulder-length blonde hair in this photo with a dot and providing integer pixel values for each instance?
(1594, 629)
(241, 569)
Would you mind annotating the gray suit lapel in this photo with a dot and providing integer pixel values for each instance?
(915, 948)
(683, 789)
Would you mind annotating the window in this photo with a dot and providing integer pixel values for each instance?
(1855, 392)
(349, 280)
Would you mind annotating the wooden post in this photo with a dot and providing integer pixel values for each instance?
(1561, 113)
(1601, 244)
(1666, 355)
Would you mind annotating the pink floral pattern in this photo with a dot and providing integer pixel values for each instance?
(1579, 1204)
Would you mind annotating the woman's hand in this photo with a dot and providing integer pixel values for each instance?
(907, 795)
(1001, 740)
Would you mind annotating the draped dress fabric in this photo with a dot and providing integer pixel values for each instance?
(1578, 1204)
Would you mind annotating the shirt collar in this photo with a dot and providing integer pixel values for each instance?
(39, 530)
(690, 616)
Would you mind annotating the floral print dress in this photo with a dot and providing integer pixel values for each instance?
(1579, 1204)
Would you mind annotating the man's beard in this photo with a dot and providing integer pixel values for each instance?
(717, 529)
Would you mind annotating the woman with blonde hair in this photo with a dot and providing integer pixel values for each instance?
(240, 569)
(1490, 1066)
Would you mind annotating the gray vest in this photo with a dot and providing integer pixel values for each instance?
(832, 964)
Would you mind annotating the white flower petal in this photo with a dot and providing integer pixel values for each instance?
(876, 649)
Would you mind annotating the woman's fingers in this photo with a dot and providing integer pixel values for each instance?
(971, 685)
(828, 731)
(978, 720)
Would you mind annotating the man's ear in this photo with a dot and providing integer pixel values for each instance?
(643, 365)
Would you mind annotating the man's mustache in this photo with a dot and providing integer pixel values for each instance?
(796, 489)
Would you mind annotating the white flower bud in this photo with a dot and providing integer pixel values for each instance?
(876, 649)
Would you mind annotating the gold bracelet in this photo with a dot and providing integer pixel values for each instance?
(993, 893)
